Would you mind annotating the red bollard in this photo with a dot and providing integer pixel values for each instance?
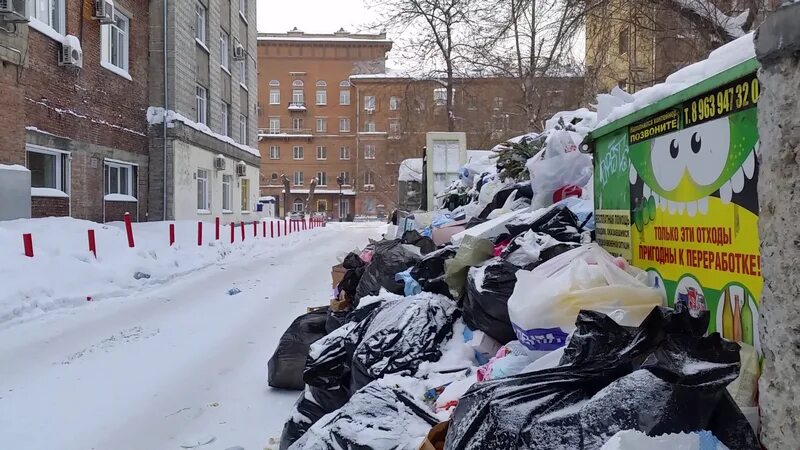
(285, 227)
(27, 241)
(92, 243)
(171, 234)
(200, 233)
(216, 228)
(255, 229)
(271, 228)
(242, 227)
(279, 229)
(129, 229)
(263, 229)
(233, 229)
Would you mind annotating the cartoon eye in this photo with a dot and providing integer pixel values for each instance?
(696, 143)
(674, 149)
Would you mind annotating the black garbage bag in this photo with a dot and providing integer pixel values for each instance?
(306, 412)
(328, 363)
(424, 243)
(349, 283)
(285, 368)
(335, 320)
(523, 190)
(663, 377)
(400, 335)
(429, 271)
(377, 416)
(485, 306)
(352, 261)
(559, 222)
(388, 259)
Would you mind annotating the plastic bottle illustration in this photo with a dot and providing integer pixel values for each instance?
(747, 322)
(727, 315)
(737, 319)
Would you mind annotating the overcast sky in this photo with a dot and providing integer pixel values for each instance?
(311, 16)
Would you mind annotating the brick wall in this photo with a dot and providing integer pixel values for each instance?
(12, 144)
(49, 206)
(115, 211)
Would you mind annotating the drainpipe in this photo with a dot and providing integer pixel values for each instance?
(166, 108)
(358, 148)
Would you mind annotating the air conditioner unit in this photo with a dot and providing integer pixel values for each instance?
(370, 110)
(103, 11)
(70, 55)
(241, 169)
(239, 52)
(13, 11)
(219, 162)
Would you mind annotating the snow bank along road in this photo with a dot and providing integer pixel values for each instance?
(169, 367)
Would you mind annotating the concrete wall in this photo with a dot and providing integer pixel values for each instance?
(15, 194)
(187, 159)
(777, 47)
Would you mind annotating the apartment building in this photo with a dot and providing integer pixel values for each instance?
(203, 152)
(330, 109)
(74, 92)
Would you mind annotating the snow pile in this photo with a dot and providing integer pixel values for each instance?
(63, 273)
(155, 115)
(635, 440)
(15, 167)
(721, 59)
(411, 170)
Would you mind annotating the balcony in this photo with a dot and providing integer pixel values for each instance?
(297, 106)
(284, 133)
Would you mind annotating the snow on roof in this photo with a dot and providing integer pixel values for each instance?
(15, 167)
(44, 132)
(587, 120)
(339, 36)
(387, 73)
(155, 115)
(721, 59)
(411, 170)
(706, 9)
(72, 41)
(318, 191)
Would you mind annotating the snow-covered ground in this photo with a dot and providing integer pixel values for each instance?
(167, 364)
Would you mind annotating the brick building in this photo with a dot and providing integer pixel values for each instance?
(330, 108)
(78, 95)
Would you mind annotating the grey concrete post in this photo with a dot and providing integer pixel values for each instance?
(778, 51)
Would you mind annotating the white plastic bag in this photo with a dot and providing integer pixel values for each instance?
(546, 300)
(561, 166)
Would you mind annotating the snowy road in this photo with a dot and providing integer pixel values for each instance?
(170, 366)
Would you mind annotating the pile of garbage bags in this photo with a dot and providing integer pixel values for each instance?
(496, 322)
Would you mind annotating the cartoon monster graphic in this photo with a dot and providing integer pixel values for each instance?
(681, 170)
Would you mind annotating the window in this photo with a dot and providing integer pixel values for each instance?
(624, 41)
(243, 72)
(344, 125)
(243, 8)
(224, 39)
(274, 83)
(200, 22)
(322, 205)
(394, 103)
(243, 138)
(345, 176)
(47, 169)
(369, 126)
(472, 103)
(498, 103)
(201, 95)
(344, 208)
(245, 183)
(394, 127)
(369, 102)
(344, 92)
(114, 42)
(274, 96)
(274, 125)
(322, 180)
(369, 178)
(274, 152)
(322, 124)
(344, 152)
(298, 178)
(322, 93)
(322, 152)
(440, 97)
(369, 151)
(298, 96)
(225, 122)
(274, 178)
(227, 193)
(49, 12)
(298, 83)
(297, 123)
(203, 194)
(297, 153)
(297, 205)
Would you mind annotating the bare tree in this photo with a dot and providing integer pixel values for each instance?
(436, 33)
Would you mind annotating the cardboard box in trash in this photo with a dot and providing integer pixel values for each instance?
(435, 438)
(337, 274)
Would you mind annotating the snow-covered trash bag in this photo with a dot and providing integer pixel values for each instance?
(306, 412)
(532, 248)
(328, 362)
(561, 165)
(285, 368)
(556, 221)
(662, 377)
(547, 299)
(430, 270)
(485, 307)
(400, 335)
(377, 417)
(388, 259)
(636, 440)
